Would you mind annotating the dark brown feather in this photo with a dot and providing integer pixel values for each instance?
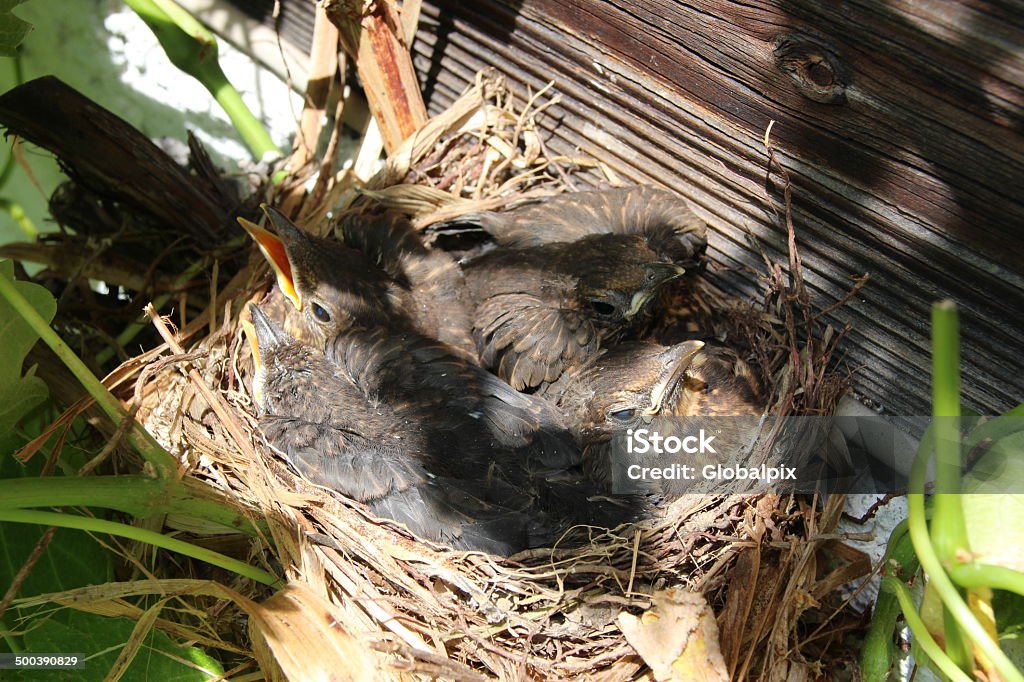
(395, 420)
(540, 310)
(664, 219)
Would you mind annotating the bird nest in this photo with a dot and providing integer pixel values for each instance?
(364, 599)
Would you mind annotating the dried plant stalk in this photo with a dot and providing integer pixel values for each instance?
(372, 34)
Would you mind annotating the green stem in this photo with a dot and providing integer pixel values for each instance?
(877, 653)
(18, 215)
(138, 534)
(985, 575)
(193, 49)
(139, 496)
(948, 529)
(994, 430)
(245, 122)
(922, 637)
(138, 437)
(937, 577)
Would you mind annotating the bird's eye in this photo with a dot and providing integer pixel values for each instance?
(602, 308)
(622, 415)
(321, 314)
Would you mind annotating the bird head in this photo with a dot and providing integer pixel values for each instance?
(637, 382)
(271, 347)
(622, 388)
(616, 275)
(718, 383)
(330, 286)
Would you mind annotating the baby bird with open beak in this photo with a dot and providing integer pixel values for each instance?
(395, 421)
(380, 277)
(344, 427)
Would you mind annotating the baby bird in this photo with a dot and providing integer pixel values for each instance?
(326, 286)
(632, 384)
(343, 423)
(668, 224)
(541, 310)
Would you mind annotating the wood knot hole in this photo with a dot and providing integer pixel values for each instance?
(814, 66)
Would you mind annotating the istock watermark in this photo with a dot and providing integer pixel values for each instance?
(676, 455)
(643, 441)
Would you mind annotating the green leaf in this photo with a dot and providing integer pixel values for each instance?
(1009, 610)
(101, 640)
(72, 559)
(995, 529)
(994, 509)
(12, 29)
(19, 394)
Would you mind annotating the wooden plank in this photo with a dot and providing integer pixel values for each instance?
(900, 124)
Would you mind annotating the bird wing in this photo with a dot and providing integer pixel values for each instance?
(533, 426)
(394, 486)
(513, 419)
(528, 342)
(342, 460)
(454, 512)
(665, 219)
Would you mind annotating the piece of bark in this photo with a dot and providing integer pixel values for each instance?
(372, 35)
(108, 156)
(677, 638)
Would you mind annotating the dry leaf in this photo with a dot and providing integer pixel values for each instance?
(677, 638)
(306, 640)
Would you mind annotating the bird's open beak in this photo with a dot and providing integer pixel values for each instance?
(263, 335)
(639, 300)
(257, 363)
(676, 360)
(273, 249)
(254, 346)
(267, 334)
(659, 274)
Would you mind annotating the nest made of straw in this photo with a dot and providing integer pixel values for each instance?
(365, 600)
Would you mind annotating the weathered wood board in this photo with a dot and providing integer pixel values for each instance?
(901, 125)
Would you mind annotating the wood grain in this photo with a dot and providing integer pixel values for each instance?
(901, 125)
